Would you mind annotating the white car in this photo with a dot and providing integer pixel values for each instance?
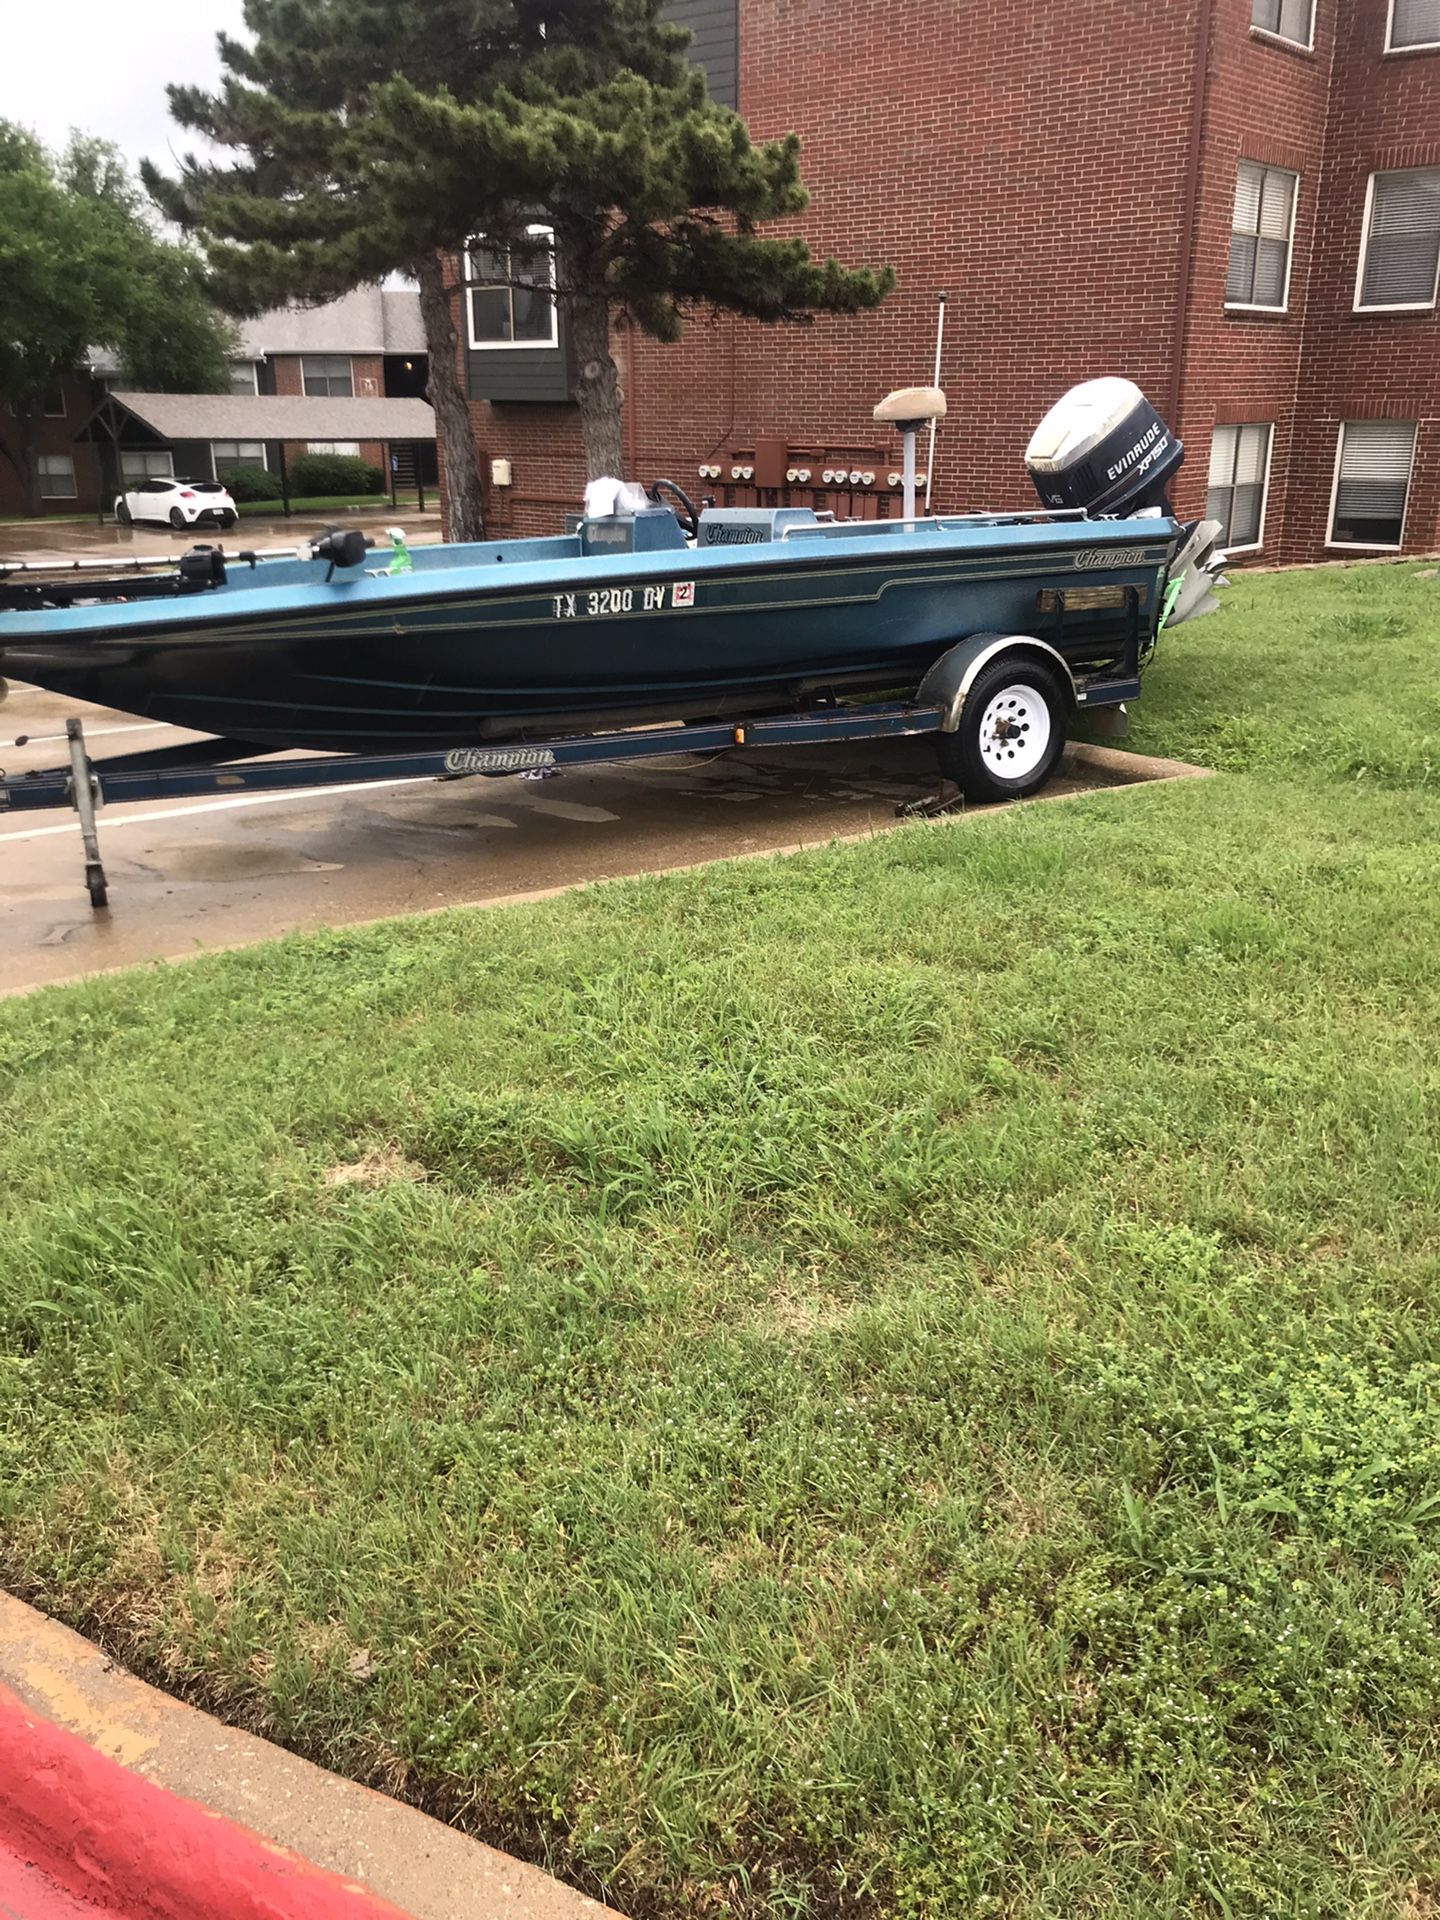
(180, 503)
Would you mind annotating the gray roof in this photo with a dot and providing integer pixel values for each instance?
(369, 320)
(265, 416)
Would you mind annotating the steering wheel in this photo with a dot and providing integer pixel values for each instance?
(685, 513)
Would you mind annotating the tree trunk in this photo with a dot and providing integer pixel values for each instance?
(28, 465)
(597, 386)
(464, 498)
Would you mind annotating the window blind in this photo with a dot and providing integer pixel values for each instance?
(1238, 459)
(1260, 236)
(1291, 19)
(1415, 23)
(1402, 246)
(1374, 480)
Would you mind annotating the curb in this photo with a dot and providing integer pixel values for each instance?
(104, 1833)
(153, 1810)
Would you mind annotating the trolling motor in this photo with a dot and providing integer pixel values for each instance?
(346, 548)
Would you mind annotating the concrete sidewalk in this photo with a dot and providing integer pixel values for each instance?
(115, 1798)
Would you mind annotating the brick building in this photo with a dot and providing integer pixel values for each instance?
(68, 475)
(1236, 203)
(369, 345)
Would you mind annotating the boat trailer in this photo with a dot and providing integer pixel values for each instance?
(215, 766)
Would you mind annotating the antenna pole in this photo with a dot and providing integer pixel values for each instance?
(934, 424)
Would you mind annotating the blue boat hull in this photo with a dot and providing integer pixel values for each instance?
(537, 637)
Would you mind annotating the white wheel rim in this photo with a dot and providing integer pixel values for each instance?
(1015, 732)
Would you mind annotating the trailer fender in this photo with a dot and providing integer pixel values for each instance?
(948, 682)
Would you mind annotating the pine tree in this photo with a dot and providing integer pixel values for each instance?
(602, 131)
(294, 215)
(380, 134)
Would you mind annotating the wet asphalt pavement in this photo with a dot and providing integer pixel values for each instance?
(226, 870)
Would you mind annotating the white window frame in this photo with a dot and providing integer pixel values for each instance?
(1252, 546)
(1403, 306)
(60, 412)
(254, 367)
(1368, 546)
(70, 493)
(314, 359)
(1410, 46)
(509, 346)
(1279, 39)
(337, 449)
(1250, 306)
(264, 466)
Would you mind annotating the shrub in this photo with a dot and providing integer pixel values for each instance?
(250, 483)
(318, 476)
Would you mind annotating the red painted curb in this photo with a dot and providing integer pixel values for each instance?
(114, 1838)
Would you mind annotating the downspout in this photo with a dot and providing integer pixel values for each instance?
(1190, 204)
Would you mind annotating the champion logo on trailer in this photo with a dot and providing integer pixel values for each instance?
(1093, 558)
(684, 594)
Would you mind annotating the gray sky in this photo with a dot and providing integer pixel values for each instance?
(103, 65)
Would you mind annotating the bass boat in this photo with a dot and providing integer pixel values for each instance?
(659, 613)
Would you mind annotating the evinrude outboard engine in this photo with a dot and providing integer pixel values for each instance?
(1105, 449)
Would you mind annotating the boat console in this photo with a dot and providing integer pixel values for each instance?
(750, 526)
(649, 530)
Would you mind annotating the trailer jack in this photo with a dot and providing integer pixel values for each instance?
(85, 796)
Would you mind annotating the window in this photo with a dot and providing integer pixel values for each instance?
(55, 404)
(333, 446)
(135, 467)
(238, 453)
(511, 293)
(1239, 478)
(1372, 482)
(57, 476)
(1260, 233)
(327, 376)
(244, 377)
(1413, 23)
(1288, 19)
(1400, 259)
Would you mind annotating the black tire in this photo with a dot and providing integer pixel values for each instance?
(1011, 732)
(229, 520)
(123, 515)
(96, 888)
(177, 520)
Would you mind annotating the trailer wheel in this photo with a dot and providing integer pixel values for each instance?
(1011, 732)
(96, 887)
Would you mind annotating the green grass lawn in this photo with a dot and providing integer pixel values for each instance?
(902, 1381)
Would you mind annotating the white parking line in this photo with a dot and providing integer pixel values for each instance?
(292, 794)
(93, 733)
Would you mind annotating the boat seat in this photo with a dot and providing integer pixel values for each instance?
(911, 406)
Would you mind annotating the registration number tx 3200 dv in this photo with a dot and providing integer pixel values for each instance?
(606, 602)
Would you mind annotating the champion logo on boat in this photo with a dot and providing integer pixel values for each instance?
(498, 759)
(684, 595)
(1093, 558)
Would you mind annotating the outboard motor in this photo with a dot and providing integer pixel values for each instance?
(1105, 449)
